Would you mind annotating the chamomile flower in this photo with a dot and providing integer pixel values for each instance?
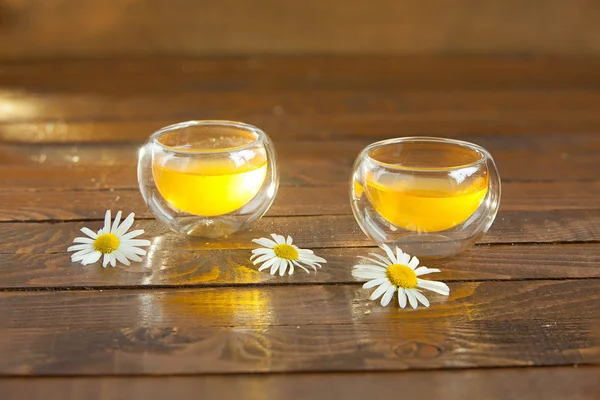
(112, 241)
(397, 273)
(281, 255)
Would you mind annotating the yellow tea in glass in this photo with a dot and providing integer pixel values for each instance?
(209, 187)
(431, 196)
(208, 178)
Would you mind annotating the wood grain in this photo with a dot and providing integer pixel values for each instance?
(277, 329)
(150, 27)
(559, 382)
(259, 73)
(343, 126)
(69, 135)
(308, 232)
(40, 205)
(165, 268)
(50, 205)
(409, 105)
(302, 163)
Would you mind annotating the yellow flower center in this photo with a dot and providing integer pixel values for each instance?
(286, 251)
(402, 276)
(106, 243)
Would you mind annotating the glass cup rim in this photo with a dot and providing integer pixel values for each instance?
(484, 154)
(259, 135)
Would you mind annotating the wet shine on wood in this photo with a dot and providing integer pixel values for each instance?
(277, 329)
(311, 231)
(526, 296)
(218, 268)
(525, 383)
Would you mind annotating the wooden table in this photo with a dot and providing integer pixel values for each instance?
(196, 318)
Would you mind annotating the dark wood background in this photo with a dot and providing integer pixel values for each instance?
(83, 83)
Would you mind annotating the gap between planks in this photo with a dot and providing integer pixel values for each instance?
(250, 285)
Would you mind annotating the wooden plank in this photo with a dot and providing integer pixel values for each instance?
(65, 205)
(125, 154)
(297, 328)
(166, 268)
(518, 105)
(260, 73)
(311, 232)
(343, 126)
(302, 163)
(149, 27)
(39, 205)
(544, 383)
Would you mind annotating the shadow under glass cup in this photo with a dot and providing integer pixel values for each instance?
(208, 178)
(432, 197)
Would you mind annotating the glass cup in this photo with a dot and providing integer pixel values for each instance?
(208, 178)
(431, 197)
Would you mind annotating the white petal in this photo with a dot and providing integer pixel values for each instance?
(80, 247)
(267, 264)
(121, 258)
(380, 290)
(313, 259)
(107, 219)
(83, 240)
(424, 271)
(289, 240)
(132, 234)
(132, 249)
(283, 267)
(421, 298)
(414, 263)
(115, 224)
(382, 258)
(263, 258)
(367, 274)
(387, 297)
(411, 298)
(405, 259)
(370, 268)
(113, 260)
(89, 232)
(105, 260)
(389, 253)
(299, 250)
(291, 271)
(257, 254)
(91, 258)
(309, 264)
(136, 242)
(262, 250)
(265, 242)
(275, 266)
(278, 238)
(121, 230)
(374, 282)
(297, 264)
(438, 287)
(130, 255)
(376, 262)
(399, 254)
(401, 297)
(80, 255)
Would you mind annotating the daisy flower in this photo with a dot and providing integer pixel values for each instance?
(280, 254)
(397, 273)
(112, 241)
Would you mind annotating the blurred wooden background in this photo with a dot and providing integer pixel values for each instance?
(84, 82)
(100, 28)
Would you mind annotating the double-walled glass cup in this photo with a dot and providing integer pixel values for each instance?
(208, 178)
(431, 197)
